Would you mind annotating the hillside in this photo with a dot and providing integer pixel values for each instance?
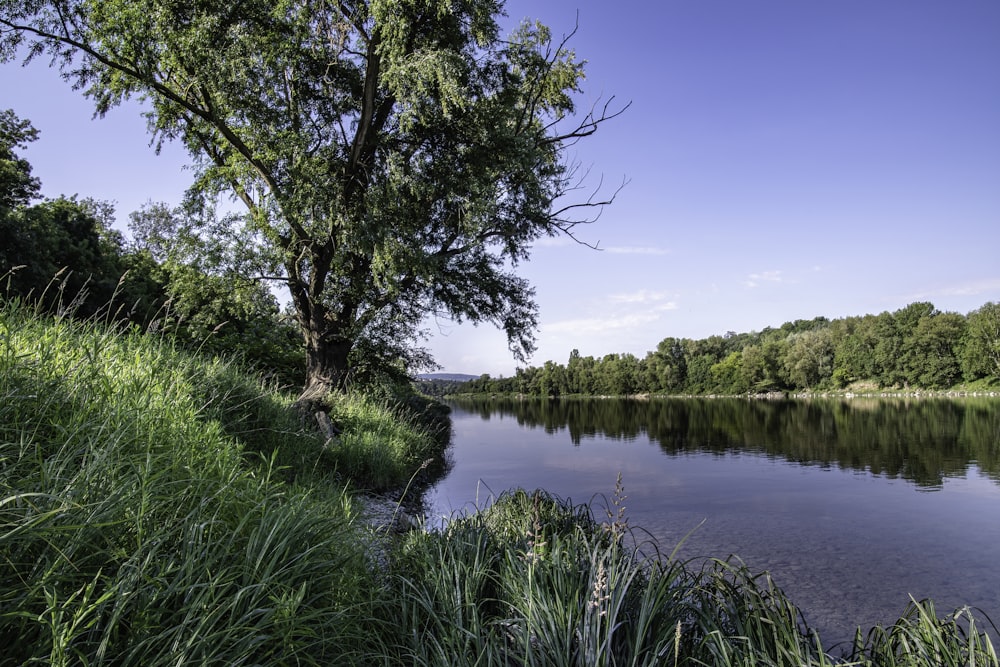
(451, 377)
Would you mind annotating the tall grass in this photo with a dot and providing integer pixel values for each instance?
(144, 518)
(920, 637)
(381, 445)
(533, 580)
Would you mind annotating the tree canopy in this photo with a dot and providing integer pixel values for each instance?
(915, 347)
(396, 158)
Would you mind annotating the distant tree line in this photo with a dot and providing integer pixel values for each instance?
(63, 256)
(915, 347)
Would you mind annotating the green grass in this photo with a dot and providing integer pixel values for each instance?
(159, 508)
(380, 446)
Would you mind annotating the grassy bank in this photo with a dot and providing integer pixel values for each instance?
(158, 508)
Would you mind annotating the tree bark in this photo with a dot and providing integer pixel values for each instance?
(326, 369)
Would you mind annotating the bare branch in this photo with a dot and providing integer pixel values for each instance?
(591, 203)
(587, 126)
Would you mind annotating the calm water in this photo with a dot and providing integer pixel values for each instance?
(853, 505)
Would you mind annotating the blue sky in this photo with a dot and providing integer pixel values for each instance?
(786, 159)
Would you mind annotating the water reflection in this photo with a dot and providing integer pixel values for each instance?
(786, 485)
(923, 440)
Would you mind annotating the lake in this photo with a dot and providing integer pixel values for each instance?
(853, 505)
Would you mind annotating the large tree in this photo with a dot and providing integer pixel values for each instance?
(396, 157)
(17, 185)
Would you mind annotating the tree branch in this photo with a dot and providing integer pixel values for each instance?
(586, 127)
(207, 115)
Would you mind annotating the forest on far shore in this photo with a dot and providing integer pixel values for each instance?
(915, 347)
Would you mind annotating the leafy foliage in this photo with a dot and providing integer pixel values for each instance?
(980, 354)
(61, 237)
(396, 158)
(17, 185)
(62, 255)
(916, 347)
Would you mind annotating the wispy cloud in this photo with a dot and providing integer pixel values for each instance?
(976, 288)
(563, 241)
(600, 325)
(636, 250)
(620, 312)
(965, 289)
(639, 297)
(554, 242)
(755, 279)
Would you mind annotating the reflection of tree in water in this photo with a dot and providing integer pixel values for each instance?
(922, 441)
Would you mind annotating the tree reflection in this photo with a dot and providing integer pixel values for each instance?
(920, 440)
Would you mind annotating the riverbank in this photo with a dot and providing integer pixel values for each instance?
(160, 508)
(862, 392)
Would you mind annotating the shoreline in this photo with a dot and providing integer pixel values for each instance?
(762, 396)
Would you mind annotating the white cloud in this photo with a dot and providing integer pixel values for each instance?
(968, 289)
(563, 241)
(958, 296)
(628, 311)
(755, 279)
(669, 305)
(554, 242)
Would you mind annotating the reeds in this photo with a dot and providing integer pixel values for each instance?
(533, 580)
(920, 637)
(536, 581)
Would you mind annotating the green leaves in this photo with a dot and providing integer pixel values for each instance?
(17, 185)
(550, 76)
(916, 347)
(397, 155)
(981, 352)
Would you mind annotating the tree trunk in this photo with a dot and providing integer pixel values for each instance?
(326, 369)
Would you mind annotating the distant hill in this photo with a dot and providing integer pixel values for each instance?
(453, 377)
